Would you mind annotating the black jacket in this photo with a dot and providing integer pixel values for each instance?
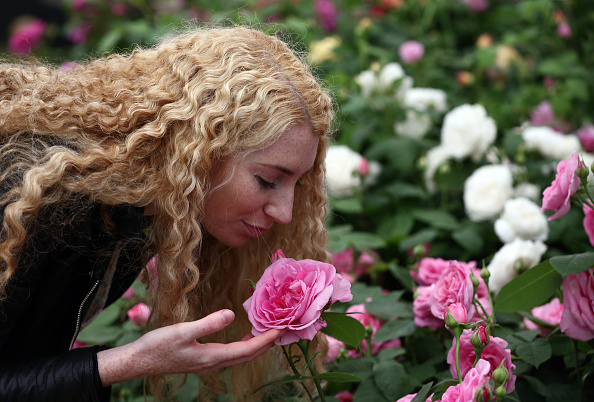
(39, 318)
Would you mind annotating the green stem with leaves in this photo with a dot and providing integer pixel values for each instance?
(304, 346)
(296, 371)
(457, 333)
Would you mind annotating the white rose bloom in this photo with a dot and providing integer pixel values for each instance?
(468, 131)
(521, 219)
(504, 266)
(390, 73)
(367, 80)
(528, 190)
(423, 99)
(435, 158)
(342, 167)
(550, 143)
(416, 125)
(486, 190)
(370, 81)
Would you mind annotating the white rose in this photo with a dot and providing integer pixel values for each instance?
(423, 99)
(416, 125)
(528, 190)
(435, 158)
(369, 81)
(343, 171)
(486, 191)
(521, 219)
(504, 266)
(550, 143)
(468, 131)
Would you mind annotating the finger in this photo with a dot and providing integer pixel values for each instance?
(211, 323)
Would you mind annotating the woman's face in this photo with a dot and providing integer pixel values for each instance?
(253, 191)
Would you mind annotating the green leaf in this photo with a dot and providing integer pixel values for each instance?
(572, 264)
(387, 309)
(362, 368)
(391, 379)
(423, 394)
(344, 328)
(420, 237)
(436, 218)
(530, 289)
(101, 330)
(536, 352)
(338, 377)
(395, 329)
(367, 391)
(348, 205)
(469, 238)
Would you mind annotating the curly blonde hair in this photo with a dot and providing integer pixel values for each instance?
(148, 128)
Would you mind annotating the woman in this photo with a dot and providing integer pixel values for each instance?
(206, 151)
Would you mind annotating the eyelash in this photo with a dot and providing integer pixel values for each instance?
(265, 184)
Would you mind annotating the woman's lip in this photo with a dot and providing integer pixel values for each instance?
(254, 231)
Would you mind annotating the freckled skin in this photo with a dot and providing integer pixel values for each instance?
(241, 198)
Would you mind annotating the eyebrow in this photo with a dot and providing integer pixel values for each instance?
(284, 169)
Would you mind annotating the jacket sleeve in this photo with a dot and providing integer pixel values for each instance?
(71, 376)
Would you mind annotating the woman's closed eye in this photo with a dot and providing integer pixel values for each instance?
(265, 184)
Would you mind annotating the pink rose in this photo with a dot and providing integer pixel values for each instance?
(292, 295)
(334, 348)
(422, 309)
(327, 14)
(453, 286)
(550, 312)
(564, 30)
(410, 397)
(458, 311)
(78, 344)
(475, 379)
(79, 34)
(493, 353)
(343, 261)
(344, 396)
(26, 37)
(411, 51)
(543, 115)
(430, 269)
(557, 197)
(586, 135)
(139, 314)
(577, 320)
(589, 223)
(366, 260)
(128, 294)
(476, 5)
(375, 323)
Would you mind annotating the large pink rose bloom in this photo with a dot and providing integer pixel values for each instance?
(557, 197)
(577, 320)
(422, 309)
(375, 323)
(550, 312)
(430, 269)
(493, 353)
(27, 37)
(291, 295)
(476, 378)
(453, 286)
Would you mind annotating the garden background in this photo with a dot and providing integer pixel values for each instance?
(452, 118)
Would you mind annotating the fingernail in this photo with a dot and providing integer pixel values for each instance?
(228, 316)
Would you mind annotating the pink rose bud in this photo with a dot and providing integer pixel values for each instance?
(79, 34)
(548, 82)
(483, 394)
(464, 78)
(78, 344)
(139, 314)
(458, 312)
(480, 338)
(251, 290)
(411, 51)
(564, 30)
(128, 294)
(277, 254)
(363, 167)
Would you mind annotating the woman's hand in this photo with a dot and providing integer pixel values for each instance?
(174, 350)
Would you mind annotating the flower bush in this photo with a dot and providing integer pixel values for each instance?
(453, 118)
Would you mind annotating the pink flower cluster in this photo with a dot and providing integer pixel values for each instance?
(292, 295)
(577, 320)
(493, 354)
(444, 283)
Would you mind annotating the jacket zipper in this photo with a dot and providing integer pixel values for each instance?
(78, 319)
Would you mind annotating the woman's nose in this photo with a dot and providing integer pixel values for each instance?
(280, 207)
